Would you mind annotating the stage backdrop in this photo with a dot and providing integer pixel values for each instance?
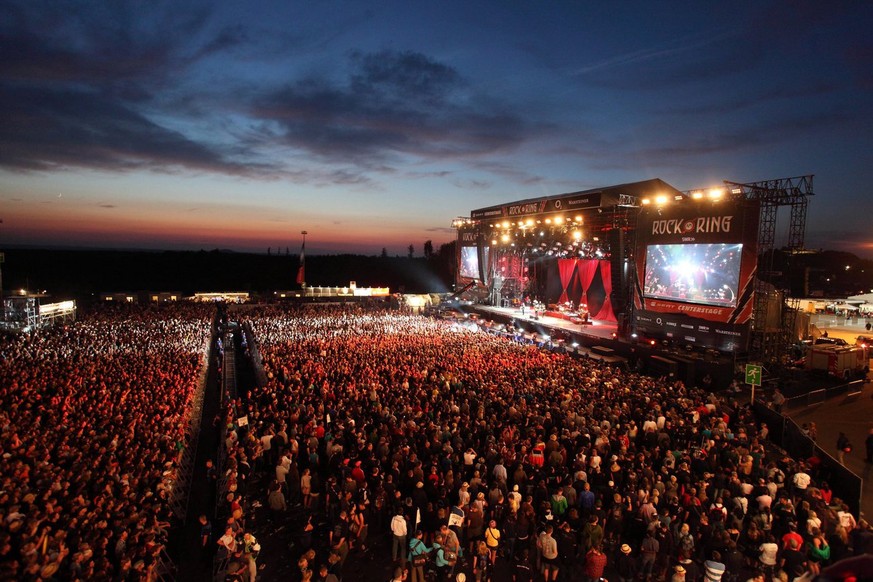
(587, 281)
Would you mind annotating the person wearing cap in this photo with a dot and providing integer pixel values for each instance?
(678, 574)
(626, 565)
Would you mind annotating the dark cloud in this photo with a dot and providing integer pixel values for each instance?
(45, 129)
(108, 206)
(391, 104)
(73, 90)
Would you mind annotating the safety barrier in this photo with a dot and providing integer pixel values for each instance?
(785, 433)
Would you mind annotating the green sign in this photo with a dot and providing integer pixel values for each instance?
(753, 374)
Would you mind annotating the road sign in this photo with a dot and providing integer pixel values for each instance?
(753, 374)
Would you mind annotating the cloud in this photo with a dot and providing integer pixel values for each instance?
(50, 129)
(108, 206)
(74, 90)
(391, 104)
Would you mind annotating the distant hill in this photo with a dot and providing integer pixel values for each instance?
(80, 273)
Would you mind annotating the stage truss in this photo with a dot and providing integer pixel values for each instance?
(769, 345)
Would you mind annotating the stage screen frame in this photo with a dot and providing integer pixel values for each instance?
(470, 267)
(680, 251)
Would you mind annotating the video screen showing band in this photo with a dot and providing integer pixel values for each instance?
(470, 263)
(707, 274)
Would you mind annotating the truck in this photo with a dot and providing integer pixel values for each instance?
(844, 362)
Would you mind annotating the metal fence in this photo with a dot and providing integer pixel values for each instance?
(785, 433)
(822, 394)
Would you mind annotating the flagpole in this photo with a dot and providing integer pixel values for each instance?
(301, 271)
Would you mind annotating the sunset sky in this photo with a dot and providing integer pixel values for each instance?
(189, 125)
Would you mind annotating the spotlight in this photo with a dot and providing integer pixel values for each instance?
(660, 199)
(716, 193)
(697, 195)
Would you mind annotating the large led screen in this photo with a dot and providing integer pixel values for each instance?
(470, 262)
(706, 274)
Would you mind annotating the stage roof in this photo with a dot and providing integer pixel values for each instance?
(575, 201)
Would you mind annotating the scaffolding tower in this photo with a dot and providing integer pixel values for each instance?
(768, 343)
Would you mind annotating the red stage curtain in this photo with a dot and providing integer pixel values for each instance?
(565, 268)
(606, 313)
(587, 268)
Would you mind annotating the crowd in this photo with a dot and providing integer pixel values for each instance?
(473, 454)
(93, 417)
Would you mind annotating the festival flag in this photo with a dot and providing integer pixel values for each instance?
(301, 272)
(417, 518)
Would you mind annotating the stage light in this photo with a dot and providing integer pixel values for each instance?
(505, 238)
(548, 221)
(633, 336)
(577, 234)
(697, 194)
(575, 345)
(542, 233)
(716, 193)
(660, 199)
(559, 219)
(494, 241)
(506, 224)
(646, 201)
(579, 218)
(529, 222)
(652, 342)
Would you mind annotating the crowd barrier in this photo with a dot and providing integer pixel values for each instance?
(814, 397)
(785, 433)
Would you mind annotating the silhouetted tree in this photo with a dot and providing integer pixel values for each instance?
(428, 249)
(269, 251)
(411, 251)
(384, 254)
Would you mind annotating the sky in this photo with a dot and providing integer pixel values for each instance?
(370, 125)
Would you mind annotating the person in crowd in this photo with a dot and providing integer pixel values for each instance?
(418, 556)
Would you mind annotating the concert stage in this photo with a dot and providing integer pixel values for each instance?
(599, 339)
(594, 329)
